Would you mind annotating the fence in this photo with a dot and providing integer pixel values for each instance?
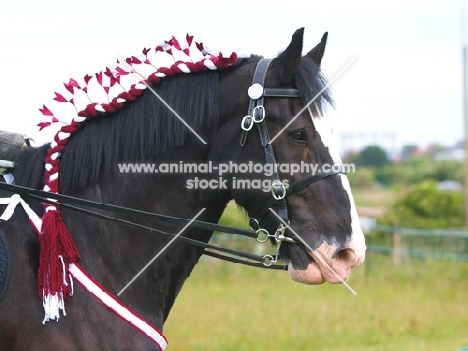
(401, 242)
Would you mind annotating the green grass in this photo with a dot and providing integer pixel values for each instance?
(421, 305)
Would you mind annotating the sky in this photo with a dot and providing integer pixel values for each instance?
(404, 85)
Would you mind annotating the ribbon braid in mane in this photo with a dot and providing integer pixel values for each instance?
(57, 249)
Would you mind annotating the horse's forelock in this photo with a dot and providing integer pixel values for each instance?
(310, 81)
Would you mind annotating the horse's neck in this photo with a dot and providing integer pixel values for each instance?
(114, 254)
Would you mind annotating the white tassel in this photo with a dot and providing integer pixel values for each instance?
(52, 305)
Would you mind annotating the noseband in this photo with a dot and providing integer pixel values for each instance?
(256, 115)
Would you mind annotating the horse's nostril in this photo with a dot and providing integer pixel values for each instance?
(346, 256)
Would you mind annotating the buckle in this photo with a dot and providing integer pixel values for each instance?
(276, 187)
(247, 123)
(254, 224)
(258, 114)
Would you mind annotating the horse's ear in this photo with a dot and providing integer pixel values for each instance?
(316, 54)
(288, 60)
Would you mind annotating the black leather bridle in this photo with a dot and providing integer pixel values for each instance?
(256, 115)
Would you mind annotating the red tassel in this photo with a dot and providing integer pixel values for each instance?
(224, 62)
(55, 241)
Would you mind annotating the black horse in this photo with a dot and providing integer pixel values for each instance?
(327, 240)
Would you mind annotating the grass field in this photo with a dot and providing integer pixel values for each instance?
(417, 305)
(421, 305)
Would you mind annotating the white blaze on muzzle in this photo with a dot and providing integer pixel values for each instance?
(328, 263)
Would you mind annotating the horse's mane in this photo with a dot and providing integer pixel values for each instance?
(146, 128)
(138, 132)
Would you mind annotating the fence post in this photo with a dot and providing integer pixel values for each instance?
(397, 248)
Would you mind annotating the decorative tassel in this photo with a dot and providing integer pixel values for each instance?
(57, 251)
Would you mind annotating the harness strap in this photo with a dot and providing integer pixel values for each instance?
(66, 201)
(259, 78)
(256, 90)
(281, 93)
(44, 196)
(277, 188)
(256, 114)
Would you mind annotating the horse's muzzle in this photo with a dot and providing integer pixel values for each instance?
(329, 264)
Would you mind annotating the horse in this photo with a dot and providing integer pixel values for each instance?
(315, 221)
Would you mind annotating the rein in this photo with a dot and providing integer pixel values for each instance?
(71, 203)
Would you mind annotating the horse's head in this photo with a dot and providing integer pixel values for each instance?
(323, 223)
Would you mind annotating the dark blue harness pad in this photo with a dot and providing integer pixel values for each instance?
(4, 265)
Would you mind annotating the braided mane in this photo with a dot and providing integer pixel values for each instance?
(197, 88)
(140, 131)
(94, 153)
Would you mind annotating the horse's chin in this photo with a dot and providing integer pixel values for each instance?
(303, 269)
(311, 275)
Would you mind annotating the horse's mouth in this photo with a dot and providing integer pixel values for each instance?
(298, 255)
(323, 264)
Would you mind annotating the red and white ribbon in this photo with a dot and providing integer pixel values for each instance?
(80, 275)
(116, 306)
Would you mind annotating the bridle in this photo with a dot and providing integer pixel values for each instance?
(256, 115)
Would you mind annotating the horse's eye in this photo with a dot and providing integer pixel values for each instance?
(299, 136)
